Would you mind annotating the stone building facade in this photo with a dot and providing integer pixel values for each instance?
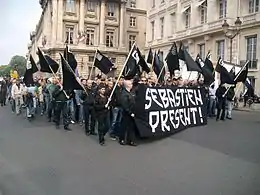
(110, 26)
(198, 24)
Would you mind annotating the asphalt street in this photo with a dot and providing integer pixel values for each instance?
(221, 158)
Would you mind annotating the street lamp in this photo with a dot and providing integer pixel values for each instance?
(231, 33)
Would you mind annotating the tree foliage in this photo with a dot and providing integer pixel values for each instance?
(18, 63)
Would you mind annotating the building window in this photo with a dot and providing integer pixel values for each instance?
(162, 1)
(221, 49)
(90, 34)
(253, 6)
(132, 21)
(251, 51)
(173, 23)
(202, 50)
(91, 58)
(133, 3)
(110, 38)
(222, 9)
(187, 18)
(69, 34)
(153, 3)
(152, 25)
(203, 13)
(132, 39)
(70, 5)
(91, 5)
(162, 26)
(111, 9)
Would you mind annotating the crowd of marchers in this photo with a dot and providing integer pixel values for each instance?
(88, 108)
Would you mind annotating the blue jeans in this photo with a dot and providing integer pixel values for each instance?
(212, 106)
(116, 120)
(70, 107)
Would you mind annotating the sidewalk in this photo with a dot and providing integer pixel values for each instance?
(254, 108)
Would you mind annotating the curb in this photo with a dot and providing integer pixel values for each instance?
(242, 110)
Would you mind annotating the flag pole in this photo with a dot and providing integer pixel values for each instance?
(119, 76)
(236, 77)
(160, 74)
(93, 64)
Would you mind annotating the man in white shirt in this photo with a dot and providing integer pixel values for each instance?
(212, 101)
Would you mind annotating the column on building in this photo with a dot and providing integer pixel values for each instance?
(81, 15)
(54, 21)
(122, 24)
(102, 22)
(60, 21)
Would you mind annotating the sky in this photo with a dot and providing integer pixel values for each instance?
(18, 18)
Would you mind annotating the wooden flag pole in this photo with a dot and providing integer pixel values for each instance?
(236, 77)
(91, 71)
(119, 76)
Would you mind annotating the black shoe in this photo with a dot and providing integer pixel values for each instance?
(222, 119)
(67, 128)
(132, 144)
(229, 118)
(87, 133)
(122, 142)
(93, 133)
(102, 143)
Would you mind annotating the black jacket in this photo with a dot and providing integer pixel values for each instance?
(58, 94)
(117, 96)
(220, 92)
(230, 94)
(128, 102)
(88, 97)
(100, 103)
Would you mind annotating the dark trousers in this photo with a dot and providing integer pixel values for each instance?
(221, 107)
(61, 107)
(89, 114)
(51, 108)
(102, 126)
(127, 130)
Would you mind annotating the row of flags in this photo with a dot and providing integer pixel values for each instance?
(135, 65)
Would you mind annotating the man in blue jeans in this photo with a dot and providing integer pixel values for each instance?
(116, 111)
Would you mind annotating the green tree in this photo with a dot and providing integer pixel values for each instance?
(18, 63)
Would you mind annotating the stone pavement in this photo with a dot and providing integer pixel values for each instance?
(254, 107)
(220, 158)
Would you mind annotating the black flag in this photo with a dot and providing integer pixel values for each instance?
(103, 63)
(190, 63)
(150, 56)
(172, 59)
(70, 80)
(28, 77)
(209, 63)
(142, 62)
(225, 77)
(158, 67)
(181, 52)
(242, 74)
(232, 73)
(131, 68)
(70, 58)
(206, 72)
(33, 64)
(47, 63)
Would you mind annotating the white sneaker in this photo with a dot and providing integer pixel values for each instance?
(72, 122)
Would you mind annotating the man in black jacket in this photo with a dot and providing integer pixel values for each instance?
(61, 97)
(3, 91)
(221, 102)
(88, 98)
